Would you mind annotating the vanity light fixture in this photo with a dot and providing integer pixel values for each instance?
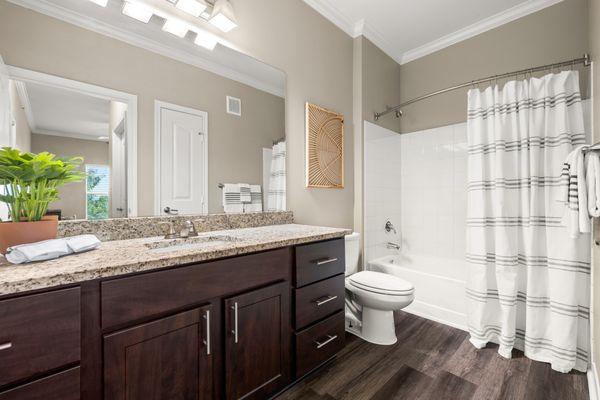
(206, 40)
(137, 11)
(101, 3)
(176, 27)
(192, 7)
(223, 16)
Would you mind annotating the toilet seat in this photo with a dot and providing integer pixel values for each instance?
(381, 283)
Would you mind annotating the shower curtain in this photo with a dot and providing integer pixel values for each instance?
(276, 195)
(528, 284)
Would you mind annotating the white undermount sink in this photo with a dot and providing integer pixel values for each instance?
(197, 242)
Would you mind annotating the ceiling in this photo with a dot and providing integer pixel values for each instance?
(409, 29)
(61, 112)
(225, 60)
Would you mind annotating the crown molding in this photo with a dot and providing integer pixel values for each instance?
(69, 135)
(72, 17)
(333, 14)
(496, 20)
(26, 104)
(365, 29)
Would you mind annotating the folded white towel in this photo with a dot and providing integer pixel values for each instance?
(256, 199)
(40, 251)
(82, 243)
(574, 194)
(50, 249)
(231, 198)
(245, 196)
(592, 178)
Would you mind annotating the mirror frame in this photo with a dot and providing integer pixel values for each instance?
(25, 75)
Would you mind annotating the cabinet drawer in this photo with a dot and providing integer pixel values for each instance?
(61, 386)
(317, 261)
(318, 343)
(38, 333)
(129, 299)
(319, 300)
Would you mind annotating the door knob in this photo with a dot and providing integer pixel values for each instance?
(169, 210)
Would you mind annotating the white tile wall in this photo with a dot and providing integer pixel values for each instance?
(418, 181)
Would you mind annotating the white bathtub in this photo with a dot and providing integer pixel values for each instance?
(439, 285)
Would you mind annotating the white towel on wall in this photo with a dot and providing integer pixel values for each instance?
(592, 175)
(231, 198)
(256, 196)
(574, 194)
(245, 196)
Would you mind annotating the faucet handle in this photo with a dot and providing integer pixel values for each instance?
(191, 228)
(171, 232)
(389, 226)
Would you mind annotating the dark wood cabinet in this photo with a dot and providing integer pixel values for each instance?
(221, 329)
(166, 359)
(257, 347)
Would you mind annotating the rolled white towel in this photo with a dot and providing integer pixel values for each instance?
(82, 243)
(245, 196)
(40, 251)
(592, 177)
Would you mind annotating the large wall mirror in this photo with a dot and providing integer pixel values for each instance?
(171, 138)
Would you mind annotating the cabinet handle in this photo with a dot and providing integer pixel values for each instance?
(235, 321)
(326, 261)
(325, 301)
(207, 340)
(329, 340)
(5, 346)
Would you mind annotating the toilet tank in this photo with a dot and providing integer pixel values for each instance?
(352, 252)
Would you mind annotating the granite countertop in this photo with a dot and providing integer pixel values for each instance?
(119, 257)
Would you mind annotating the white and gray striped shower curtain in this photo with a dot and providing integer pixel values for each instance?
(528, 284)
(276, 196)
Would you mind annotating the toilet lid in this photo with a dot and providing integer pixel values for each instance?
(378, 282)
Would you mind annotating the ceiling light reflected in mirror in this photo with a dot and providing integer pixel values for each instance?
(175, 27)
(137, 11)
(192, 7)
(101, 3)
(223, 16)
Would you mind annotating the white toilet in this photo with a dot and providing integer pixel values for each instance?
(371, 298)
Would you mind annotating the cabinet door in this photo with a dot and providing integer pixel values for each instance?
(257, 344)
(167, 359)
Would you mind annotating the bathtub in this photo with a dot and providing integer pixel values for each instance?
(439, 285)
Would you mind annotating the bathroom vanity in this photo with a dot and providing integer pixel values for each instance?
(243, 315)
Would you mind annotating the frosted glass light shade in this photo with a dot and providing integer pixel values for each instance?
(192, 7)
(223, 16)
(175, 27)
(137, 11)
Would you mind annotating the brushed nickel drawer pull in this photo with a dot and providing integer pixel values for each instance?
(235, 321)
(329, 340)
(325, 301)
(207, 340)
(326, 261)
(5, 346)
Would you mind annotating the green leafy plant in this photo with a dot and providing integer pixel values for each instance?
(31, 181)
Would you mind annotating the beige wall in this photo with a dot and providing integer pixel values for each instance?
(594, 34)
(553, 34)
(317, 59)
(35, 41)
(23, 132)
(376, 85)
(72, 195)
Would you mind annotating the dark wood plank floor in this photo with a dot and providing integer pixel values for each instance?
(434, 361)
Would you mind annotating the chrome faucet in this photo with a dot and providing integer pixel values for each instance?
(392, 245)
(188, 230)
(389, 227)
(171, 232)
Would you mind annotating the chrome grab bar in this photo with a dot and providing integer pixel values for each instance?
(325, 301)
(329, 340)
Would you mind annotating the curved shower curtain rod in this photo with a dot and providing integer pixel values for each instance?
(585, 60)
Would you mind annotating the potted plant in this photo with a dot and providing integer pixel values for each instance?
(30, 182)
